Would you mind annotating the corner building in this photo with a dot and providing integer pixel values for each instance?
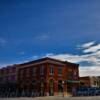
(48, 76)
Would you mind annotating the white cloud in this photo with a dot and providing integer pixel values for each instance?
(93, 57)
(89, 71)
(86, 45)
(89, 47)
(49, 54)
(92, 49)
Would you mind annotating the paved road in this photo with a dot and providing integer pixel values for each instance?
(55, 98)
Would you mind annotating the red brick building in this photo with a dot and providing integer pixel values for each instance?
(8, 80)
(8, 74)
(40, 77)
(48, 76)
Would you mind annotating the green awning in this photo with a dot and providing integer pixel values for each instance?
(72, 81)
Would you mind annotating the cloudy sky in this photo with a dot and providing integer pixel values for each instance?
(62, 29)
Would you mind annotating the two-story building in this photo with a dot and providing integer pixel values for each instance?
(45, 76)
(8, 78)
(48, 76)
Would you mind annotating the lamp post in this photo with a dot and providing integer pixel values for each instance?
(63, 87)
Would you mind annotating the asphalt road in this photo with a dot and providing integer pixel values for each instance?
(55, 98)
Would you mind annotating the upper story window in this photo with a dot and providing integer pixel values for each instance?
(51, 70)
(60, 71)
(42, 70)
(10, 70)
(21, 73)
(75, 74)
(96, 82)
(12, 78)
(13, 69)
(70, 74)
(27, 72)
(7, 71)
(34, 71)
(2, 72)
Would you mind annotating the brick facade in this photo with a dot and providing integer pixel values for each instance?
(41, 77)
(55, 79)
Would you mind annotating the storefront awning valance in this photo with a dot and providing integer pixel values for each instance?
(72, 81)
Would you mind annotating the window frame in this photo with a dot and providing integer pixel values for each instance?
(60, 69)
(51, 70)
(34, 71)
(42, 70)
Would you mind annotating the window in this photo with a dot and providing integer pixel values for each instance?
(12, 78)
(34, 71)
(51, 70)
(75, 74)
(14, 69)
(21, 72)
(42, 70)
(95, 82)
(59, 71)
(33, 82)
(70, 75)
(27, 72)
(7, 71)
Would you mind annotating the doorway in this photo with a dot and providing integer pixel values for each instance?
(42, 88)
(60, 86)
(51, 88)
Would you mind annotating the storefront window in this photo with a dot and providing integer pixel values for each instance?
(51, 90)
(60, 86)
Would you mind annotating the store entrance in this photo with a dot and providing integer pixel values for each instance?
(42, 88)
(69, 87)
(51, 88)
(60, 86)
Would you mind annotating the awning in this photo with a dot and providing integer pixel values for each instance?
(72, 81)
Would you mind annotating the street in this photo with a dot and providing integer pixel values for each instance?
(54, 98)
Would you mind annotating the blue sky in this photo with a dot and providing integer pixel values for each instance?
(30, 29)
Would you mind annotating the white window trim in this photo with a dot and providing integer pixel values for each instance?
(51, 71)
